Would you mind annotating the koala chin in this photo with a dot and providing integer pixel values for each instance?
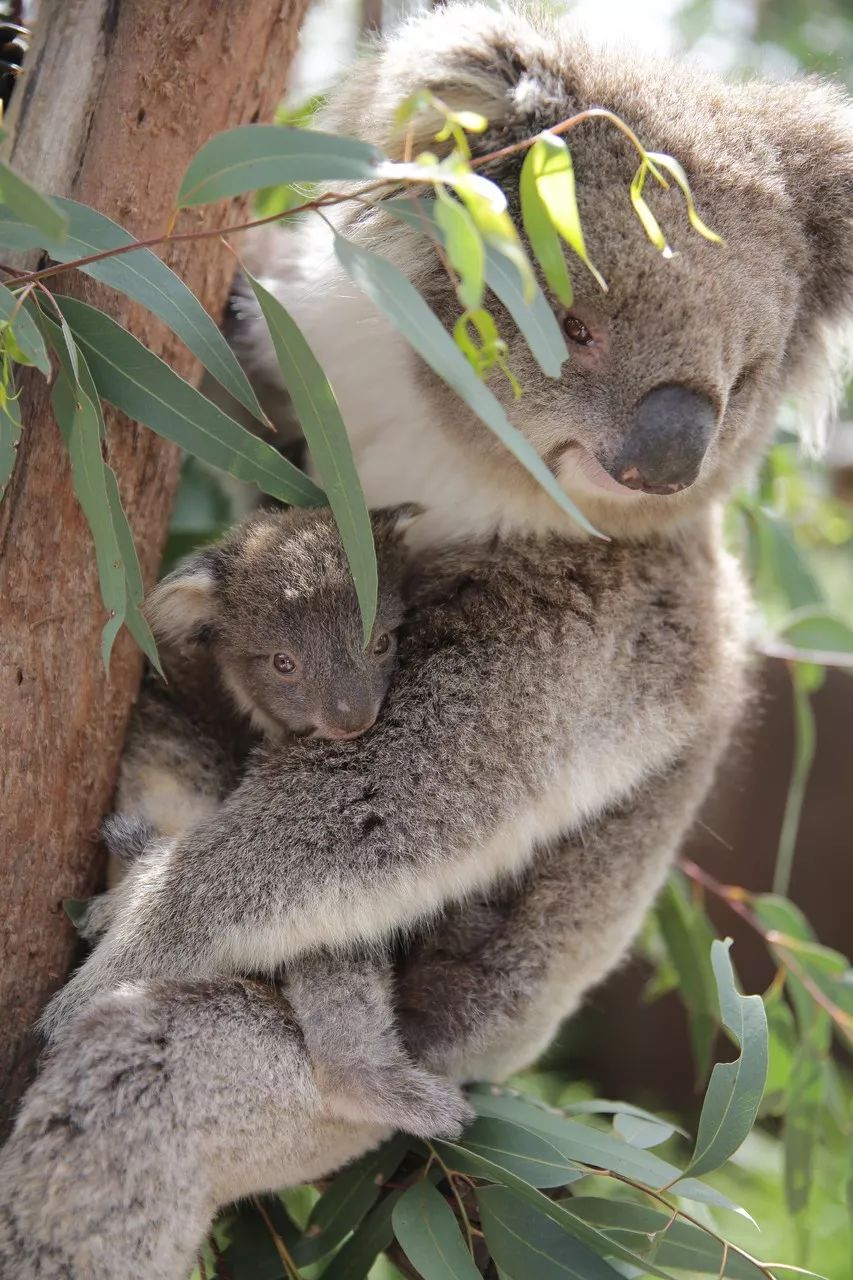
(561, 702)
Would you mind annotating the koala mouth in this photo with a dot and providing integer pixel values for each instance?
(577, 468)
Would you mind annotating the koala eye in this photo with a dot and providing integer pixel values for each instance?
(576, 331)
(283, 663)
(382, 643)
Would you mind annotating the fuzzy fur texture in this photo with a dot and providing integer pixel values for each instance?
(561, 704)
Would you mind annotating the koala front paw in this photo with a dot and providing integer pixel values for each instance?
(398, 1094)
(97, 917)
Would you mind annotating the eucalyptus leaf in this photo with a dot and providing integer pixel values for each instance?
(456, 1157)
(29, 205)
(344, 1204)
(524, 1243)
(529, 1154)
(817, 630)
(687, 935)
(679, 1244)
(143, 276)
(465, 249)
(24, 330)
(265, 155)
(143, 386)
(552, 169)
(535, 320)
(427, 1231)
(397, 297)
(544, 240)
(10, 436)
(375, 1233)
(735, 1088)
(640, 1132)
(324, 430)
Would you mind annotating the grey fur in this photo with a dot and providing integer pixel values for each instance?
(523, 651)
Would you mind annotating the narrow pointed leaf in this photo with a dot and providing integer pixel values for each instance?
(77, 420)
(429, 1235)
(554, 174)
(687, 934)
(24, 330)
(10, 436)
(397, 297)
(345, 1203)
(324, 430)
(735, 1089)
(677, 1244)
(464, 249)
(523, 1242)
(535, 320)
(649, 222)
(264, 155)
(457, 1157)
(143, 276)
(136, 381)
(544, 241)
(375, 1233)
(529, 1154)
(671, 165)
(642, 1133)
(28, 204)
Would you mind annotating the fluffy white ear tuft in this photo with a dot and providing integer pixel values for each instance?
(184, 603)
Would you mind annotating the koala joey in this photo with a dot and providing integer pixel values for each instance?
(272, 612)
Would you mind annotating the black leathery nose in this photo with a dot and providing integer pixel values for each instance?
(671, 429)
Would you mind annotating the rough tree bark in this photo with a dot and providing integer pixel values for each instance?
(116, 98)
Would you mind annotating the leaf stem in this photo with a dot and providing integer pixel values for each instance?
(280, 1247)
(449, 1174)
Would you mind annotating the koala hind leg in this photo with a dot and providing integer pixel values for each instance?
(362, 1071)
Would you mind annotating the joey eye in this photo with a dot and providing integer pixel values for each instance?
(577, 332)
(283, 663)
(382, 643)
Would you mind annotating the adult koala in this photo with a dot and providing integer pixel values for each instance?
(166, 1099)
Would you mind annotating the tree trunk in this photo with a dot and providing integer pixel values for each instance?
(116, 98)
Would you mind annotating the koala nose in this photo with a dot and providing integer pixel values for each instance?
(670, 432)
(348, 722)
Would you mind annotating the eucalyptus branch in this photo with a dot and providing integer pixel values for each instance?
(451, 1176)
(280, 1247)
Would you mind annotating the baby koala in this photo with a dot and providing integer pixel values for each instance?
(271, 613)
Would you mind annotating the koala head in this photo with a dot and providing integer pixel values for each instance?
(674, 375)
(275, 604)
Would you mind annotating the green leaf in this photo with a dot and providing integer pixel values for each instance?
(524, 1243)
(143, 276)
(805, 744)
(77, 372)
(553, 172)
(324, 430)
(544, 241)
(10, 436)
(640, 1132)
(28, 205)
(735, 1088)
(264, 155)
(649, 222)
(527, 1153)
(143, 386)
(457, 1157)
(344, 1204)
(535, 320)
(392, 293)
(817, 630)
(781, 1045)
(687, 935)
(678, 1243)
(77, 419)
(671, 165)
(429, 1234)
(464, 246)
(374, 1234)
(25, 332)
(805, 1108)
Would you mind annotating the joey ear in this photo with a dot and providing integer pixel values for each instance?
(184, 606)
(396, 520)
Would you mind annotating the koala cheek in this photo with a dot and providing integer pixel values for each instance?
(671, 429)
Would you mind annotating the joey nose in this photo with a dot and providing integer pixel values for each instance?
(342, 727)
(671, 428)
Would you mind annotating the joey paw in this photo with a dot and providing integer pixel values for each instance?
(400, 1094)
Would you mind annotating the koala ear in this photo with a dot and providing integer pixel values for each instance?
(184, 606)
(813, 131)
(396, 520)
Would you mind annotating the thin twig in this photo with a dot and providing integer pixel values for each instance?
(280, 1247)
(457, 1197)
